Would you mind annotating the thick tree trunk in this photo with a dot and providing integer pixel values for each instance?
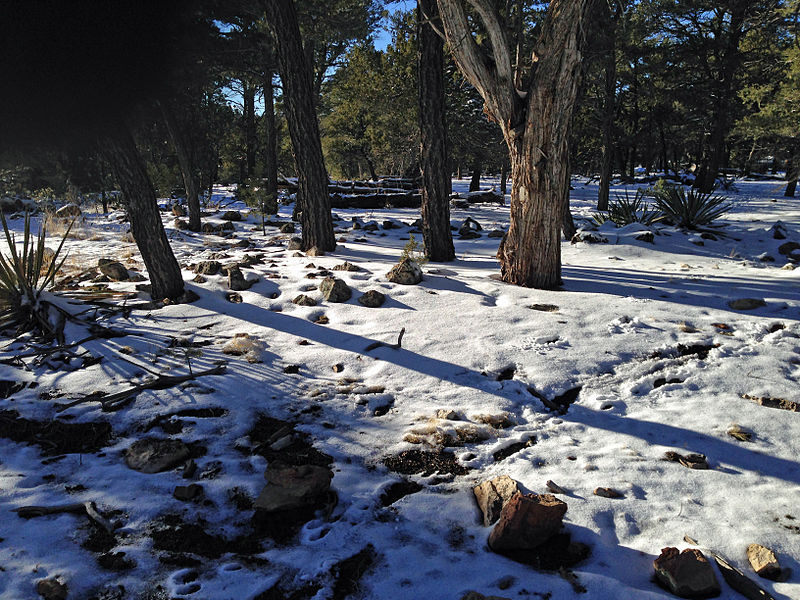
(504, 179)
(792, 173)
(249, 116)
(475, 182)
(301, 116)
(436, 232)
(271, 141)
(191, 181)
(609, 109)
(148, 231)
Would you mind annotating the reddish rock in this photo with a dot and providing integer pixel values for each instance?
(687, 574)
(492, 495)
(527, 521)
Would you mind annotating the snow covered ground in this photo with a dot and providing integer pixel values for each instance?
(643, 329)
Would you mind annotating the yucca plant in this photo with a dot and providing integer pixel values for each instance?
(24, 276)
(692, 209)
(624, 210)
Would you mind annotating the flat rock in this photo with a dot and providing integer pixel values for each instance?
(208, 267)
(492, 495)
(764, 561)
(406, 272)
(291, 487)
(154, 455)
(347, 266)
(51, 589)
(335, 290)
(590, 237)
(496, 233)
(372, 299)
(303, 300)
(113, 269)
(687, 574)
(527, 521)
(747, 303)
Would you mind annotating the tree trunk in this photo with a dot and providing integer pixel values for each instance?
(249, 116)
(609, 109)
(475, 182)
(436, 232)
(104, 200)
(188, 171)
(792, 173)
(503, 178)
(373, 175)
(271, 141)
(148, 231)
(298, 96)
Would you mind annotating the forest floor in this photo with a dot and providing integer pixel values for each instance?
(641, 350)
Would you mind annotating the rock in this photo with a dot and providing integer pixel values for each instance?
(236, 280)
(690, 461)
(314, 251)
(372, 299)
(687, 574)
(788, 247)
(51, 589)
(747, 303)
(231, 215)
(295, 243)
(590, 237)
(469, 225)
(788, 267)
(492, 495)
(303, 300)
(208, 267)
(68, 210)
(291, 487)
(469, 235)
(347, 266)
(287, 228)
(10, 205)
(234, 298)
(335, 290)
(765, 257)
(527, 521)
(406, 272)
(496, 233)
(779, 231)
(478, 596)
(113, 269)
(185, 493)
(182, 224)
(607, 492)
(764, 561)
(154, 455)
(447, 414)
(646, 236)
(371, 226)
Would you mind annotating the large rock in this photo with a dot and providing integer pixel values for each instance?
(9, 205)
(51, 589)
(372, 299)
(492, 495)
(113, 269)
(747, 303)
(68, 211)
(527, 521)
(335, 290)
(687, 574)
(154, 455)
(406, 272)
(236, 280)
(779, 231)
(764, 561)
(788, 247)
(231, 215)
(208, 267)
(291, 487)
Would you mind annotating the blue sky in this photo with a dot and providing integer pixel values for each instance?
(382, 36)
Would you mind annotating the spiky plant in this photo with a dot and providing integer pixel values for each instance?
(624, 210)
(692, 209)
(23, 278)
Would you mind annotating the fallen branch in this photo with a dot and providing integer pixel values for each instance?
(87, 508)
(162, 382)
(548, 403)
(396, 346)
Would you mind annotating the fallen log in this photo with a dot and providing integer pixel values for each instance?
(87, 508)
(372, 201)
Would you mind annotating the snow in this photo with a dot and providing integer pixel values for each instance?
(624, 309)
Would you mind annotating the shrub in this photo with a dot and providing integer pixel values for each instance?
(24, 277)
(692, 209)
(623, 211)
(257, 197)
(413, 251)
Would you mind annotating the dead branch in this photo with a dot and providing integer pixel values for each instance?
(87, 508)
(396, 346)
(162, 382)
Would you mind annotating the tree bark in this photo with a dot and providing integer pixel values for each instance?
(249, 116)
(535, 128)
(609, 110)
(437, 237)
(792, 173)
(271, 141)
(191, 181)
(504, 178)
(301, 117)
(475, 182)
(118, 147)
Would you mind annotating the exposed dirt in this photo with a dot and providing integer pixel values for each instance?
(55, 437)
(349, 572)
(559, 552)
(398, 490)
(412, 462)
(300, 451)
(504, 453)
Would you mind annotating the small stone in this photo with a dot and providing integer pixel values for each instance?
(181, 224)
(315, 252)
(185, 493)
(647, 237)
(527, 521)
(289, 487)
(295, 243)
(234, 298)
(590, 237)
(338, 368)
(113, 269)
(496, 233)
(303, 300)
(199, 279)
(51, 589)
(154, 455)
(406, 272)
(347, 266)
(764, 561)
(788, 267)
(607, 492)
(687, 574)
(788, 247)
(291, 369)
(372, 299)
(322, 320)
(740, 434)
(765, 257)
(287, 228)
(335, 290)
(236, 280)
(231, 215)
(208, 267)
(747, 303)
(492, 495)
